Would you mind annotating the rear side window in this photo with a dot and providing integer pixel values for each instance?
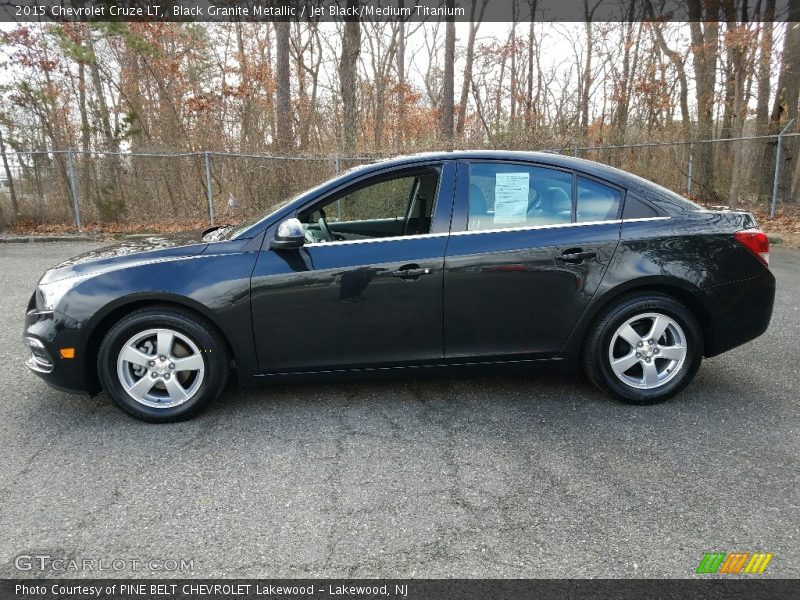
(636, 209)
(503, 195)
(597, 202)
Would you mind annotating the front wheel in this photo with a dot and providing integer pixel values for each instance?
(645, 349)
(162, 364)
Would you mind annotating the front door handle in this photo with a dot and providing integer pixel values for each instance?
(576, 256)
(410, 272)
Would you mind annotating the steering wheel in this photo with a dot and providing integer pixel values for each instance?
(323, 227)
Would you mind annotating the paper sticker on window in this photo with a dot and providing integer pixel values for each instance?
(511, 197)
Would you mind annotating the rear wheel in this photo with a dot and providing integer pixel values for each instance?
(162, 364)
(644, 349)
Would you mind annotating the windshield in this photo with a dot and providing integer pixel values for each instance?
(229, 232)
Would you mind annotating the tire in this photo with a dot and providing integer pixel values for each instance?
(643, 373)
(163, 364)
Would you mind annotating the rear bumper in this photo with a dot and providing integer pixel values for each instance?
(738, 312)
(45, 333)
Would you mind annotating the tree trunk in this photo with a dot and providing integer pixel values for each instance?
(529, 88)
(764, 71)
(586, 77)
(401, 80)
(730, 157)
(705, 40)
(677, 62)
(351, 45)
(784, 109)
(14, 204)
(468, 62)
(111, 204)
(283, 109)
(789, 86)
(513, 45)
(449, 77)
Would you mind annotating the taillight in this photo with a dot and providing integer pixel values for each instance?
(756, 241)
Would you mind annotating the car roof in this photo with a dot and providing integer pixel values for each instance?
(589, 167)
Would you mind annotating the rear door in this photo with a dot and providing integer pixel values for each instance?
(528, 248)
(371, 295)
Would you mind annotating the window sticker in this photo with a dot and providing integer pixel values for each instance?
(511, 197)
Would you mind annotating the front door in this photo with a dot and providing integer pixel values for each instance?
(527, 251)
(366, 289)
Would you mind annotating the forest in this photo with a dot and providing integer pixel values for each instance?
(145, 109)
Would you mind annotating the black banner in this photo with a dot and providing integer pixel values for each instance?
(396, 589)
(369, 10)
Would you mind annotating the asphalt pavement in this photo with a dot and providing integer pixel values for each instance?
(535, 475)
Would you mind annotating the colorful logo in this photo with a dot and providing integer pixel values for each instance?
(733, 563)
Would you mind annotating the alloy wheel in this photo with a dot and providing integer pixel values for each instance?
(160, 368)
(647, 350)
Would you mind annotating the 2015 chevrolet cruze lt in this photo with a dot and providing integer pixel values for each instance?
(428, 260)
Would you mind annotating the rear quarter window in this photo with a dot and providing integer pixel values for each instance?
(637, 209)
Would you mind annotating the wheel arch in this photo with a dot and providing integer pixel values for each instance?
(103, 320)
(678, 289)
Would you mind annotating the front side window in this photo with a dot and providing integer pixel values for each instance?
(503, 195)
(389, 207)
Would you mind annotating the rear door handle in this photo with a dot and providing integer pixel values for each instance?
(576, 256)
(410, 272)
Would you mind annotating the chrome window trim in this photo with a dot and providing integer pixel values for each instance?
(479, 231)
(390, 238)
(537, 227)
(643, 219)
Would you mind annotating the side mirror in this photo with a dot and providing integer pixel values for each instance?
(290, 235)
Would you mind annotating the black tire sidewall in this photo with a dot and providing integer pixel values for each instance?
(640, 305)
(213, 359)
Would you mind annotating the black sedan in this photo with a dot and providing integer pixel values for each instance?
(460, 258)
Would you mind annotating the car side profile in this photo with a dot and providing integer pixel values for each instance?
(441, 259)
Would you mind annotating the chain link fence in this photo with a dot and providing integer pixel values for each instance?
(148, 189)
(731, 172)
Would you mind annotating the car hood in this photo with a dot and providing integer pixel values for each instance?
(129, 252)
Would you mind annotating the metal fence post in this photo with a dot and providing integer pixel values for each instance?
(774, 206)
(337, 168)
(690, 168)
(73, 187)
(209, 193)
(575, 151)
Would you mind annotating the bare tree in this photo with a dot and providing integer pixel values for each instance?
(764, 69)
(348, 65)
(529, 102)
(448, 90)
(14, 204)
(704, 31)
(678, 61)
(740, 49)
(785, 107)
(466, 84)
(283, 109)
(401, 78)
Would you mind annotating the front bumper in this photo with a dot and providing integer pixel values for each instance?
(46, 332)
